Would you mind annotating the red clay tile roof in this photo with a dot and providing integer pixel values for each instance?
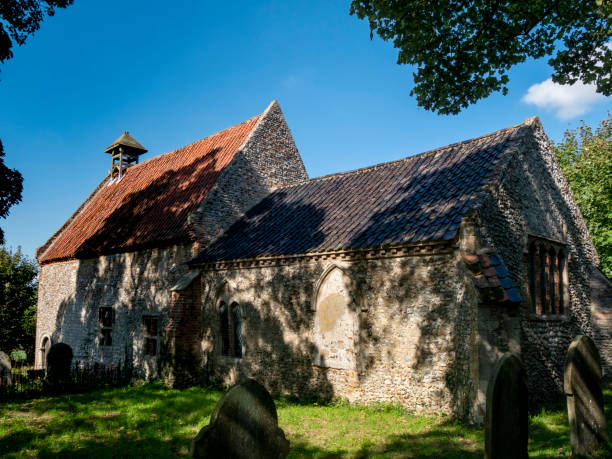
(149, 206)
(416, 199)
(491, 277)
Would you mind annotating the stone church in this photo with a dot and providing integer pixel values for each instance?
(402, 282)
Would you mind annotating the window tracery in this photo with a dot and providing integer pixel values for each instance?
(547, 277)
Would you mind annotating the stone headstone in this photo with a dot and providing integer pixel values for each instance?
(5, 370)
(244, 424)
(585, 402)
(506, 431)
(59, 362)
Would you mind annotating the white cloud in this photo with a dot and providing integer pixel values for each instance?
(291, 81)
(567, 101)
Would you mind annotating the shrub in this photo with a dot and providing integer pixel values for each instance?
(19, 357)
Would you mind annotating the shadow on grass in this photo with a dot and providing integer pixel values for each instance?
(152, 421)
(146, 421)
(549, 431)
(446, 440)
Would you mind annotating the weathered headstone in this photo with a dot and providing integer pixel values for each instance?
(244, 424)
(506, 423)
(585, 402)
(59, 362)
(5, 370)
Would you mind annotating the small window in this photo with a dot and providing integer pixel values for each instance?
(224, 326)
(151, 334)
(231, 330)
(106, 320)
(44, 350)
(547, 277)
(236, 327)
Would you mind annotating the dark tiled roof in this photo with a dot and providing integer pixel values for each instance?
(417, 199)
(491, 276)
(149, 206)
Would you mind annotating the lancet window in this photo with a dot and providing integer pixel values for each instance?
(231, 330)
(548, 277)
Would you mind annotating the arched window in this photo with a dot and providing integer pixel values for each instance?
(334, 330)
(224, 328)
(236, 327)
(45, 345)
(231, 330)
(547, 277)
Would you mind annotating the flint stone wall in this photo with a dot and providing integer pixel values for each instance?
(415, 341)
(268, 159)
(137, 283)
(533, 198)
(601, 314)
(133, 284)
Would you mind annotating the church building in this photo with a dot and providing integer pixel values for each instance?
(402, 282)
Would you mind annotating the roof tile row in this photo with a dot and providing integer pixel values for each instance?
(417, 199)
(150, 205)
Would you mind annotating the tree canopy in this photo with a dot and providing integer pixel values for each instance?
(18, 286)
(19, 19)
(11, 186)
(464, 49)
(585, 155)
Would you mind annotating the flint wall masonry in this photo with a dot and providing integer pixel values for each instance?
(532, 197)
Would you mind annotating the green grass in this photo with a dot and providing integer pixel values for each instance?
(151, 421)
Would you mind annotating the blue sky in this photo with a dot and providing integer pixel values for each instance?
(174, 74)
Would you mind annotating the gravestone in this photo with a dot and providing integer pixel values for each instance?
(59, 362)
(5, 370)
(506, 422)
(244, 424)
(585, 402)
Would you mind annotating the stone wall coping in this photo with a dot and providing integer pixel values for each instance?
(133, 252)
(549, 318)
(420, 249)
(228, 361)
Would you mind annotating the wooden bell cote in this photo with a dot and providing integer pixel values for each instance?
(124, 153)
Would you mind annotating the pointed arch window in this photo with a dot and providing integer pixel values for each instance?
(231, 330)
(236, 328)
(335, 321)
(547, 277)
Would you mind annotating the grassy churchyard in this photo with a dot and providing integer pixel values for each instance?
(152, 421)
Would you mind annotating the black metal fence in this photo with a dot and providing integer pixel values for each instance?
(84, 377)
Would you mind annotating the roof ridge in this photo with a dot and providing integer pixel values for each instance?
(407, 158)
(196, 141)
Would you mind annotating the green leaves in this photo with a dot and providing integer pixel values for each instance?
(18, 288)
(464, 49)
(19, 19)
(11, 186)
(585, 155)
